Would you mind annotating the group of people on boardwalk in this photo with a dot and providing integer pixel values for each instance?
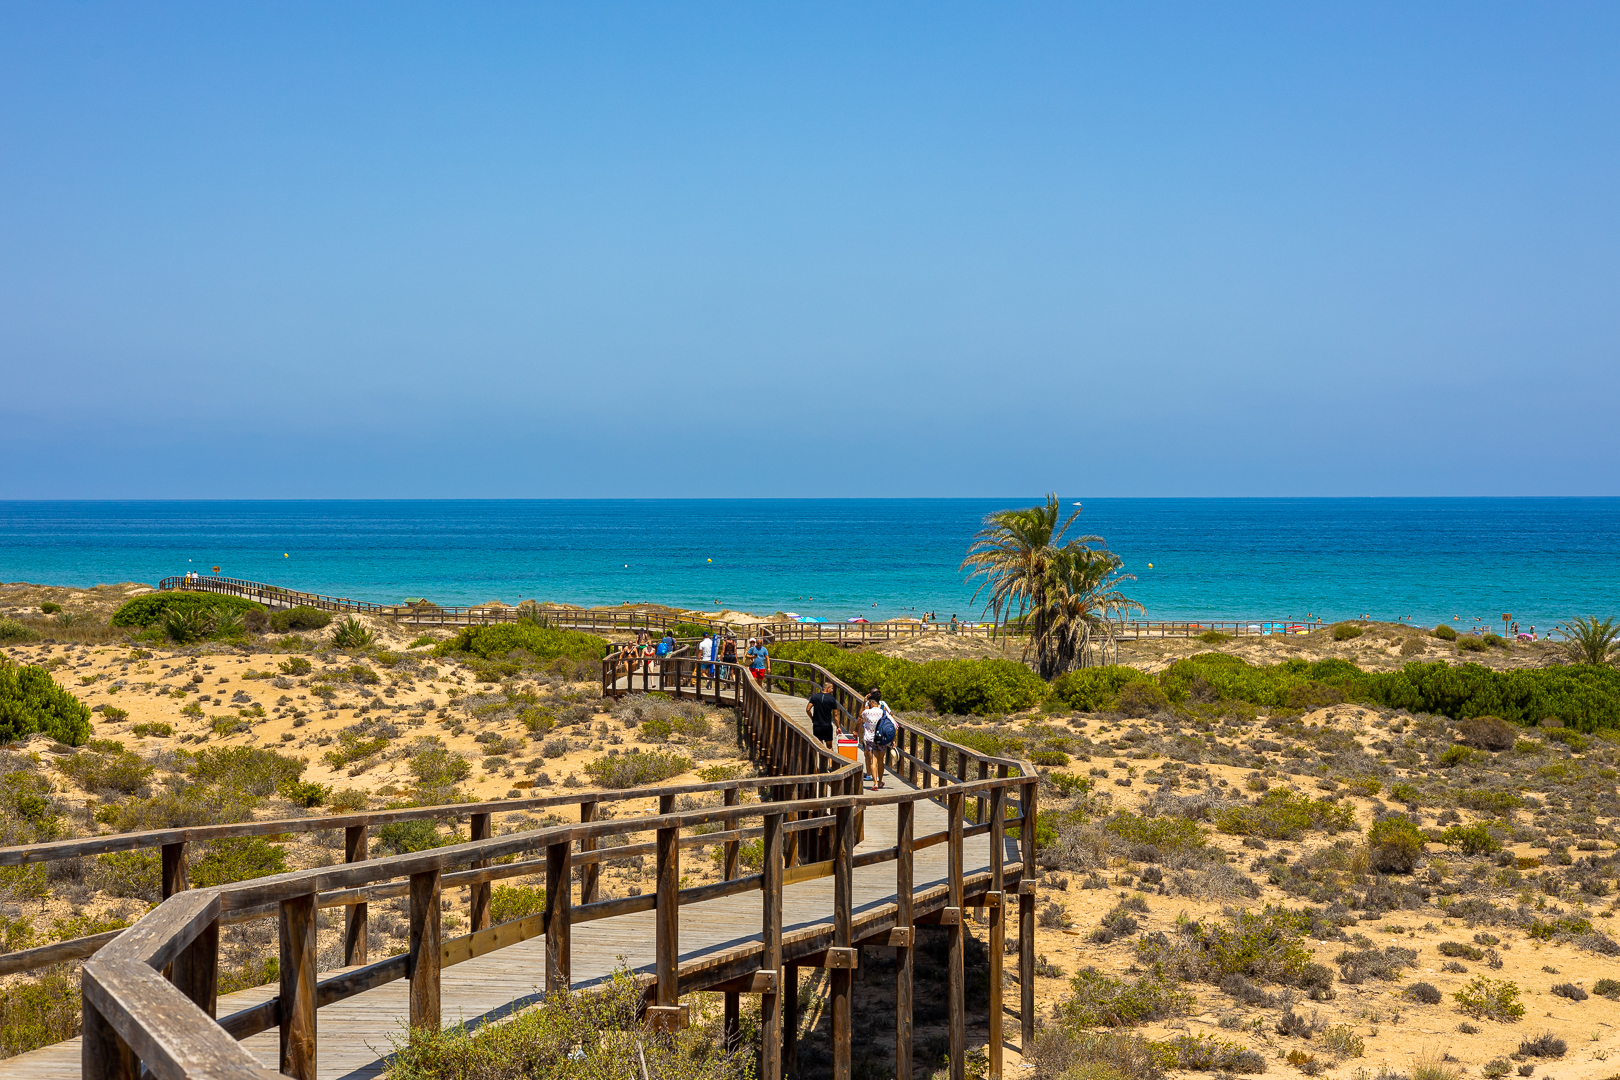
(717, 657)
(874, 735)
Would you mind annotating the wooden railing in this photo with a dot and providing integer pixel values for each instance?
(149, 993)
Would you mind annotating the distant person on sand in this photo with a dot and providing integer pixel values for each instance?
(877, 735)
(822, 709)
(759, 660)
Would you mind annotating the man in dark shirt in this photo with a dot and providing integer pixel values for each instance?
(822, 709)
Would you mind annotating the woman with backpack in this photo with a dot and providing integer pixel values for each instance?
(878, 730)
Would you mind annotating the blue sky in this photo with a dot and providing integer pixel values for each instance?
(902, 250)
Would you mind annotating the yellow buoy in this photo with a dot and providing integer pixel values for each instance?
(711, 560)
(1150, 566)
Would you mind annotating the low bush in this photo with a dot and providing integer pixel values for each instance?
(541, 643)
(1570, 991)
(1346, 631)
(31, 701)
(437, 771)
(1470, 643)
(348, 801)
(246, 769)
(1394, 845)
(1266, 944)
(1282, 814)
(13, 632)
(595, 1033)
(1094, 689)
(1459, 949)
(636, 768)
(239, 858)
(1455, 755)
(960, 687)
(508, 902)
(1493, 999)
(1423, 993)
(1444, 632)
(156, 729)
(1544, 1045)
(137, 875)
(1487, 733)
(1141, 699)
(38, 1013)
(1470, 839)
(302, 617)
(50, 607)
(1164, 832)
(1098, 1000)
(305, 793)
(1205, 1053)
(1095, 1055)
(149, 609)
(1607, 988)
(1055, 759)
(117, 772)
(1495, 641)
(401, 837)
(295, 666)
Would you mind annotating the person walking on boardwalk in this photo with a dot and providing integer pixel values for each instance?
(666, 646)
(877, 735)
(728, 657)
(759, 661)
(705, 659)
(822, 709)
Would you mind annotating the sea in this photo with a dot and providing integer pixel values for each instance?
(1465, 561)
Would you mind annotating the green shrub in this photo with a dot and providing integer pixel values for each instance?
(595, 1033)
(302, 617)
(1342, 1041)
(1608, 988)
(1205, 1053)
(508, 902)
(134, 874)
(1444, 633)
(304, 793)
(1404, 792)
(13, 632)
(1394, 845)
(1283, 815)
(713, 774)
(238, 859)
(401, 837)
(295, 665)
(1094, 689)
(1495, 641)
(1346, 631)
(1487, 732)
(1547, 929)
(116, 771)
(1098, 1000)
(1470, 643)
(636, 768)
(245, 769)
(31, 701)
(348, 801)
(498, 641)
(155, 728)
(114, 714)
(1266, 944)
(1493, 999)
(38, 1013)
(1055, 759)
(1166, 833)
(960, 687)
(437, 771)
(1069, 784)
(148, 609)
(1214, 637)
(353, 745)
(351, 633)
(1459, 949)
(1140, 699)
(50, 607)
(1456, 754)
(1470, 839)
(750, 855)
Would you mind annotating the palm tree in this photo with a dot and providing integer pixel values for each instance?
(1588, 641)
(1083, 599)
(1059, 589)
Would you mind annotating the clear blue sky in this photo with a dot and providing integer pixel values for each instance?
(486, 250)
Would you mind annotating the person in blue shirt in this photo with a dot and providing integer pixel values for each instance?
(759, 660)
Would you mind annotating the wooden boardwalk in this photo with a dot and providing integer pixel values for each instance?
(355, 1033)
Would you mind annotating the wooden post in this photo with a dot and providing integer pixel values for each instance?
(297, 1001)
(733, 1028)
(904, 955)
(422, 961)
(843, 926)
(1026, 920)
(478, 893)
(174, 869)
(103, 1053)
(196, 969)
(790, 1021)
(668, 946)
(589, 873)
(559, 916)
(998, 931)
(354, 929)
(957, 976)
(978, 803)
(732, 846)
(927, 754)
(771, 1033)
(911, 763)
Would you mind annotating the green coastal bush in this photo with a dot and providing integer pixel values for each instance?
(31, 701)
(636, 768)
(38, 1013)
(238, 858)
(1444, 633)
(1098, 1000)
(302, 617)
(1346, 632)
(1283, 815)
(351, 633)
(508, 902)
(13, 632)
(962, 687)
(542, 643)
(149, 609)
(1095, 689)
(1394, 845)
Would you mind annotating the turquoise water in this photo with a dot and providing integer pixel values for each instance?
(1542, 560)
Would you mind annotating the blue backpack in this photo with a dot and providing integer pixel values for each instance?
(883, 734)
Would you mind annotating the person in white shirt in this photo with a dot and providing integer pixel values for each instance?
(705, 656)
(872, 739)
